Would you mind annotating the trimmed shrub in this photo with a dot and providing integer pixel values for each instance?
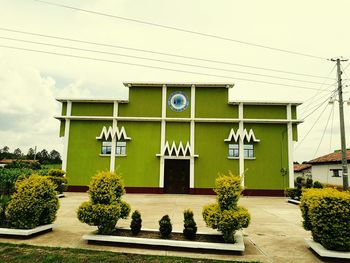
(225, 215)
(56, 172)
(105, 206)
(291, 193)
(4, 201)
(165, 227)
(33, 204)
(317, 184)
(326, 213)
(59, 182)
(190, 226)
(308, 183)
(136, 222)
(105, 188)
(105, 217)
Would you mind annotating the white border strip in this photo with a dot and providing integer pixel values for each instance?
(25, 232)
(66, 136)
(290, 146)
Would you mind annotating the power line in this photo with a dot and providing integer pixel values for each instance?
(317, 92)
(324, 131)
(155, 67)
(158, 60)
(331, 137)
(160, 53)
(313, 109)
(181, 30)
(311, 128)
(307, 106)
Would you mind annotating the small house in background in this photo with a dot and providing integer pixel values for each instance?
(302, 170)
(327, 169)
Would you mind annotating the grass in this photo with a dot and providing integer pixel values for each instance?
(12, 253)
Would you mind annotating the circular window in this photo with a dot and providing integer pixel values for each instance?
(178, 101)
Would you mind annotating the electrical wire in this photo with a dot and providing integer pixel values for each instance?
(155, 67)
(317, 106)
(324, 131)
(331, 136)
(159, 53)
(181, 30)
(157, 60)
(317, 92)
(300, 143)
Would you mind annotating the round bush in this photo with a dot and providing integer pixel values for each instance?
(228, 189)
(105, 188)
(33, 204)
(105, 217)
(136, 222)
(165, 227)
(225, 215)
(105, 207)
(190, 226)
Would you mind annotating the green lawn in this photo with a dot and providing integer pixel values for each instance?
(31, 254)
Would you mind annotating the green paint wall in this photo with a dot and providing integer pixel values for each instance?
(84, 150)
(177, 131)
(213, 153)
(213, 103)
(264, 112)
(143, 102)
(271, 155)
(294, 112)
(98, 109)
(62, 127)
(140, 168)
(183, 114)
(64, 108)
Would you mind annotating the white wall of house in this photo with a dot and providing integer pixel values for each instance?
(325, 175)
(304, 173)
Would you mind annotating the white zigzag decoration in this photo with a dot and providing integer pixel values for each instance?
(244, 135)
(177, 150)
(110, 133)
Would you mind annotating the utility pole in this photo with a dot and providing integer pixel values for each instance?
(342, 126)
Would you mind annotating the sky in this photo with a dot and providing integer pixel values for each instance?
(30, 81)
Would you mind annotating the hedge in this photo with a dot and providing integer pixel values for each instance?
(326, 212)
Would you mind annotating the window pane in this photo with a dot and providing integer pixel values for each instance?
(121, 143)
(107, 144)
(117, 150)
(248, 146)
(230, 153)
(123, 150)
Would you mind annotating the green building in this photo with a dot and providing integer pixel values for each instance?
(177, 138)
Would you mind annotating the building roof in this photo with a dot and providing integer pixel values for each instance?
(8, 161)
(301, 167)
(179, 84)
(334, 157)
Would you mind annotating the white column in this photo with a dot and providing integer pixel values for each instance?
(192, 127)
(66, 135)
(162, 138)
(290, 146)
(114, 139)
(241, 142)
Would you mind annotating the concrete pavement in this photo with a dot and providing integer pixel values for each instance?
(274, 235)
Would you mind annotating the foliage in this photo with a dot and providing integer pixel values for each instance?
(33, 204)
(4, 201)
(165, 226)
(308, 183)
(56, 172)
(190, 226)
(61, 183)
(22, 253)
(8, 178)
(22, 164)
(105, 217)
(326, 214)
(105, 188)
(136, 222)
(105, 206)
(225, 215)
(291, 193)
(317, 184)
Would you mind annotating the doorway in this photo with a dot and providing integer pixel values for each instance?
(176, 176)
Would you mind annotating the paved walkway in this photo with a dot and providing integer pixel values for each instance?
(274, 235)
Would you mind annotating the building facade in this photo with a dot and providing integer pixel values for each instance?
(177, 138)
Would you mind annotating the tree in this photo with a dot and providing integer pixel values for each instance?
(43, 156)
(55, 157)
(4, 152)
(17, 153)
(30, 154)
